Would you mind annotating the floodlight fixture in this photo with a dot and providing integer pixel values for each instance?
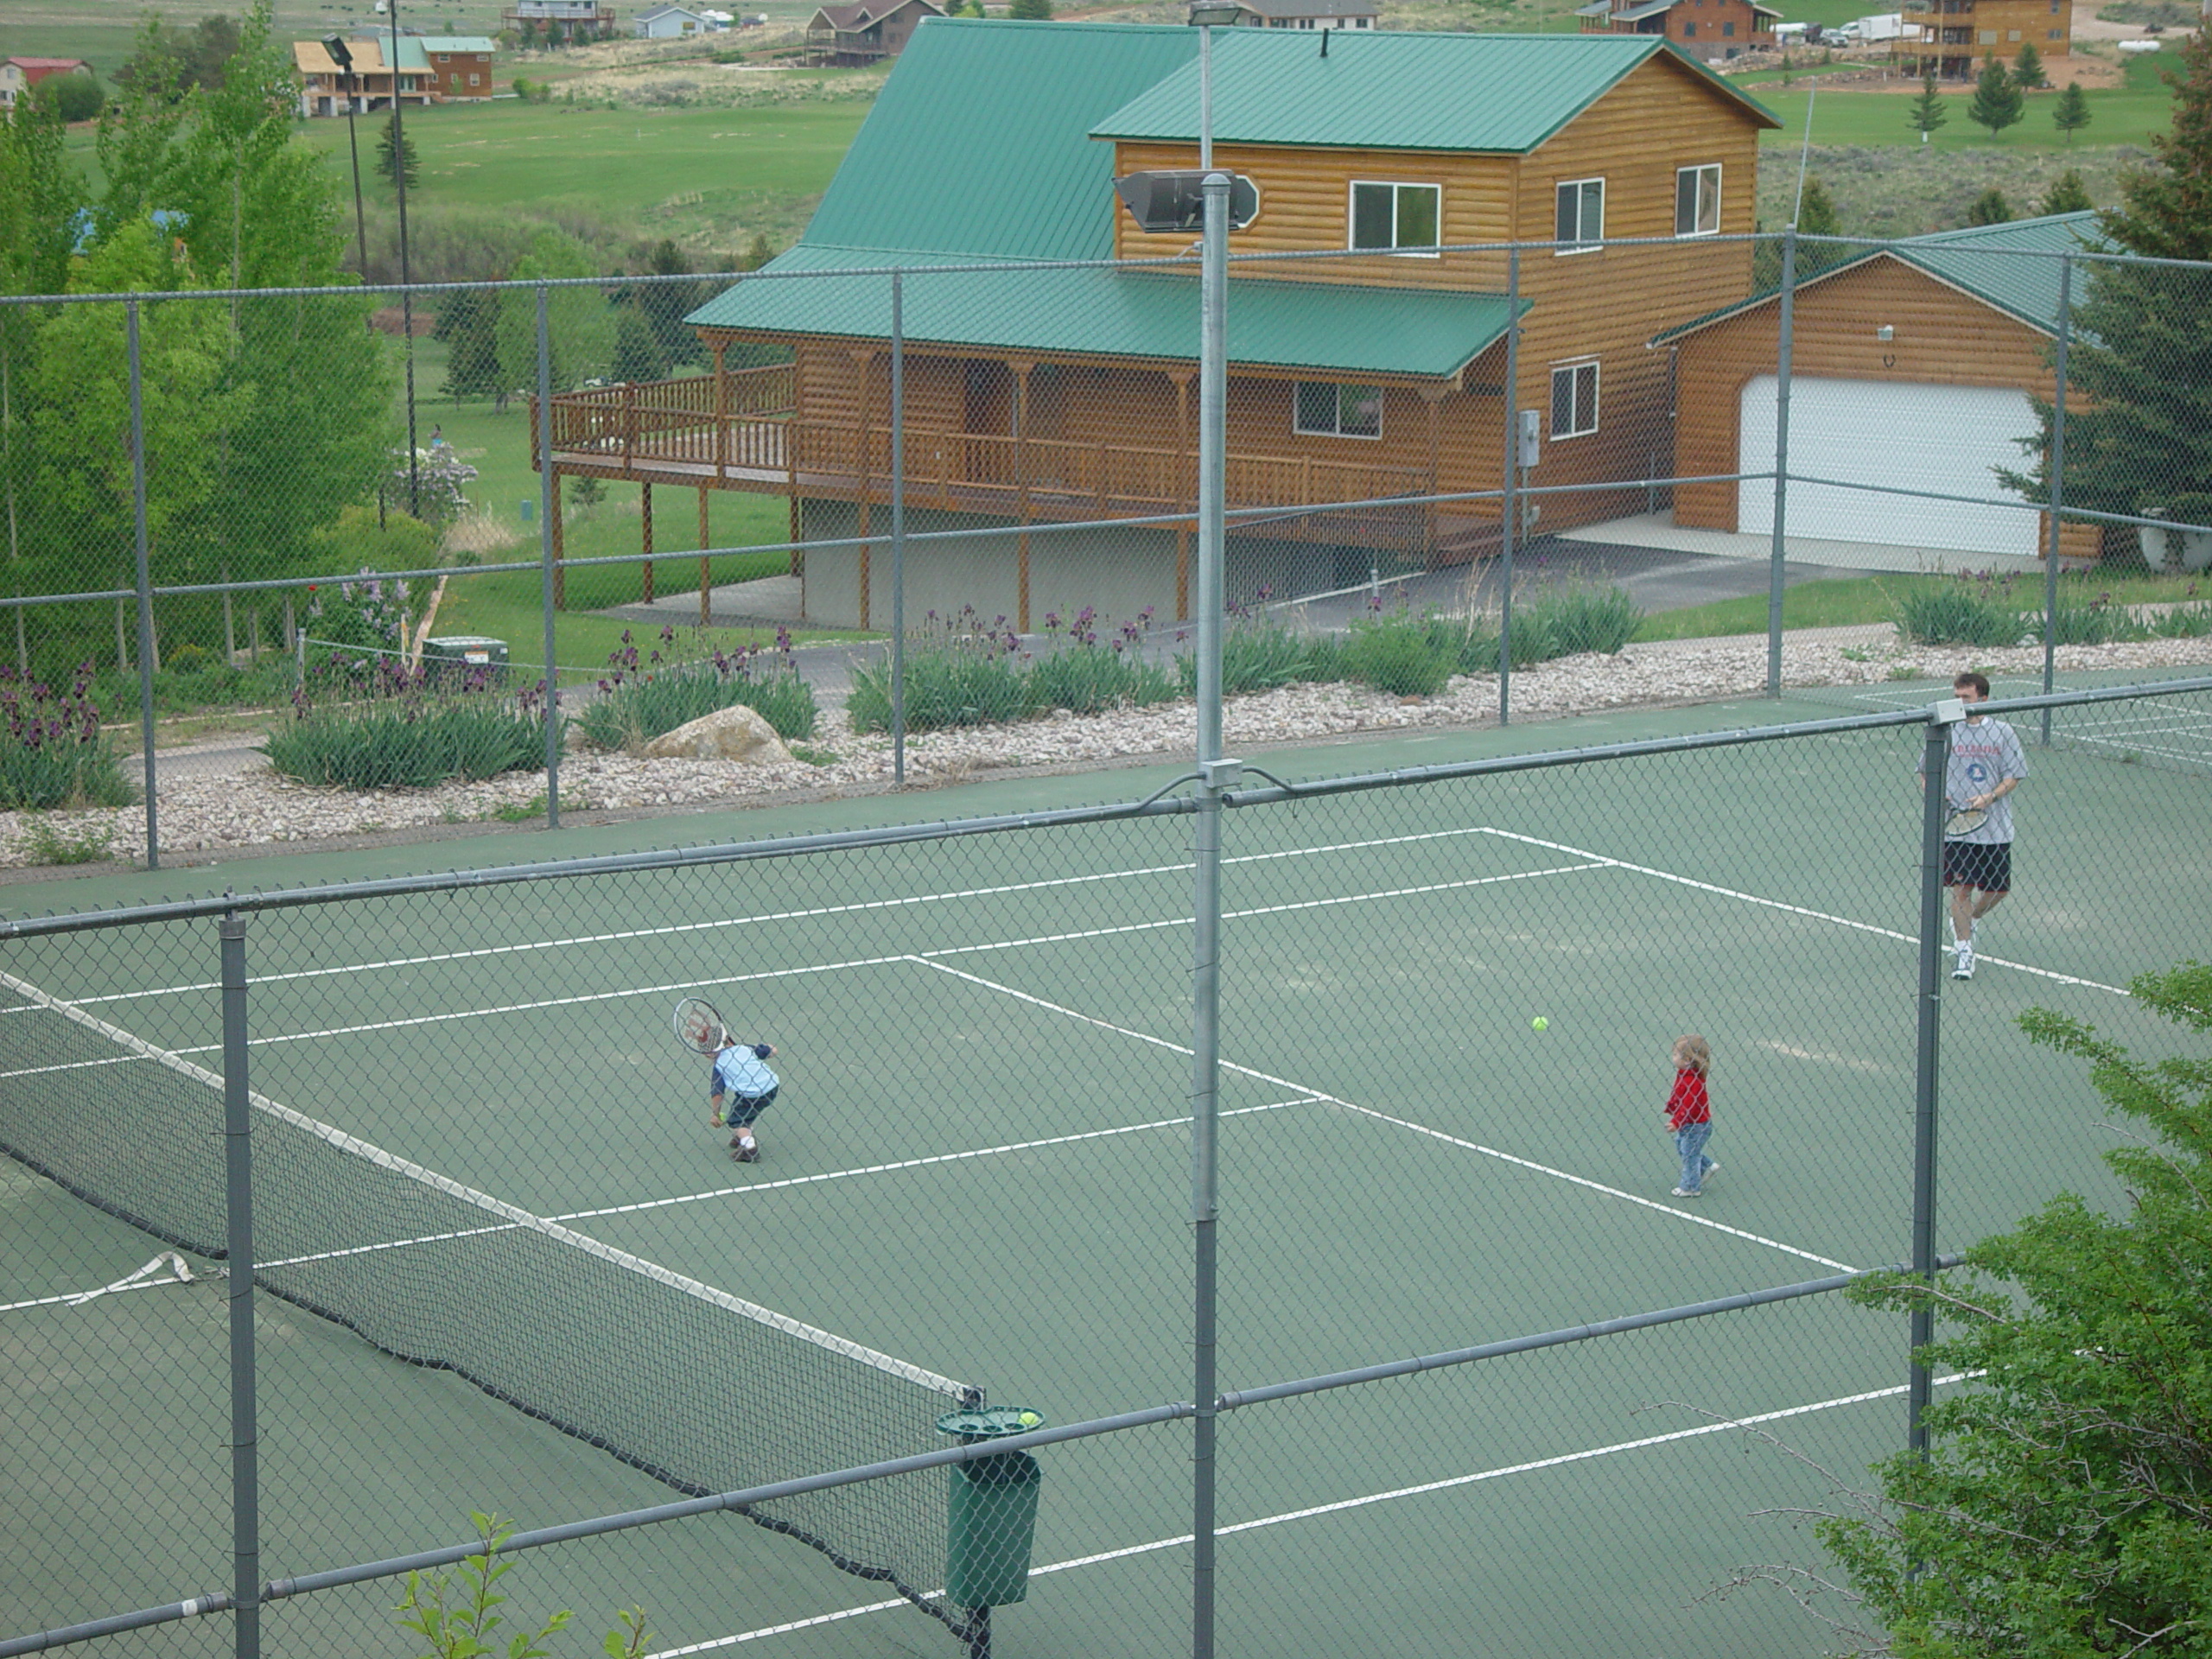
(340, 53)
(1215, 14)
(1163, 203)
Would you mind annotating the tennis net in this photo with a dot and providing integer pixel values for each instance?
(702, 1390)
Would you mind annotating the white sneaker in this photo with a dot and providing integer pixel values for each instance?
(1712, 1170)
(1684, 1193)
(1964, 967)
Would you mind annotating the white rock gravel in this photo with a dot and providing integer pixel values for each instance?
(254, 807)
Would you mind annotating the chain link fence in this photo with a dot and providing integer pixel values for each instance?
(215, 503)
(335, 1215)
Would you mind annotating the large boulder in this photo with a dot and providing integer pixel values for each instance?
(736, 733)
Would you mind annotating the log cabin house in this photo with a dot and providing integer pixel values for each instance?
(1911, 369)
(1043, 397)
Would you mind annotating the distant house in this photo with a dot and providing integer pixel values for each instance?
(19, 75)
(669, 24)
(1953, 37)
(567, 19)
(325, 87)
(1307, 14)
(1359, 387)
(459, 65)
(868, 31)
(1913, 368)
(1704, 28)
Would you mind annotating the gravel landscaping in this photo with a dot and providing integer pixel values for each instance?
(252, 807)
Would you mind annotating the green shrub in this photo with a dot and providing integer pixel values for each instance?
(1081, 675)
(1397, 654)
(1571, 620)
(42, 843)
(2183, 622)
(685, 677)
(1468, 639)
(406, 736)
(2097, 622)
(1259, 654)
(958, 673)
(1958, 611)
(52, 750)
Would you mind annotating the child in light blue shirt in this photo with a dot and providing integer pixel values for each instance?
(743, 1081)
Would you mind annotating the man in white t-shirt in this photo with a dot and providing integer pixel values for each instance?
(1987, 765)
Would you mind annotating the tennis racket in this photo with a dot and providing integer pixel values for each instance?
(698, 1026)
(1963, 821)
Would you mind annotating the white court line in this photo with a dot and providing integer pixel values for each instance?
(1325, 1099)
(584, 998)
(810, 913)
(1793, 910)
(769, 1187)
(1184, 1540)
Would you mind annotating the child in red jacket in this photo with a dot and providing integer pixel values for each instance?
(1690, 1113)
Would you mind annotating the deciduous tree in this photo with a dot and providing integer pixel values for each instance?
(2063, 1509)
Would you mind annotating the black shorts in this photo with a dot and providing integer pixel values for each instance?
(743, 1109)
(1984, 865)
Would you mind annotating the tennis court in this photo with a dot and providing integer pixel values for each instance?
(977, 1180)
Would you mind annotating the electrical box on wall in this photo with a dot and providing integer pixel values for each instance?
(1531, 448)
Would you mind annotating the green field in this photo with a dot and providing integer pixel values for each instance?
(2127, 115)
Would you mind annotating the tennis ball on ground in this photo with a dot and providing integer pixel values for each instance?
(1539, 1023)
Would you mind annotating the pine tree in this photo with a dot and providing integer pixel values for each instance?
(2067, 195)
(2027, 68)
(1032, 12)
(2071, 113)
(1996, 102)
(1990, 207)
(1928, 111)
(395, 134)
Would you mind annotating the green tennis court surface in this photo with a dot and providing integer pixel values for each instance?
(978, 1173)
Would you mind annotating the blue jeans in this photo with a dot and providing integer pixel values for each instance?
(1689, 1140)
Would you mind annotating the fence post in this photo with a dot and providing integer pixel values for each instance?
(1784, 340)
(545, 564)
(1509, 506)
(898, 529)
(145, 579)
(1205, 948)
(2058, 484)
(1935, 761)
(237, 1170)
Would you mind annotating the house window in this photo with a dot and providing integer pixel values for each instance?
(1689, 31)
(1395, 215)
(1580, 222)
(1574, 399)
(472, 80)
(1728, 28)
(1697, 200)
(1333, 411)
(2057, 33)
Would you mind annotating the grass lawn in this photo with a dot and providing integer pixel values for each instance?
(2126, 115)
(1846, 602)
(689, 173)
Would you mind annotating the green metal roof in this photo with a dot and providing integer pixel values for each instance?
(1398, 91)
(978, 144)
(1984, 260)
(1332, 328)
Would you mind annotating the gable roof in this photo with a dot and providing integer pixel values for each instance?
(1385, 89)
(1983, 261)
(458, 43)
(1310, 8)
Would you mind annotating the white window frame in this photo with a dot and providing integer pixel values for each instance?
(1396, 188)
(1344, 394)
(1581, 242)
(1699, 199)
(1574, 371)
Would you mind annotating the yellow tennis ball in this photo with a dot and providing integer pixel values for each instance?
(1539, 1023)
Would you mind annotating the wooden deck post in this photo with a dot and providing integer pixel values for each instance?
(560, 571)
(646, 539)
(629, 427)
(863, 366)
(721, 409)
(1021, 370)
(706, 541)
(1186, 489)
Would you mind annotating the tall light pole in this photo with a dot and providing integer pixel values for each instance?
(342, 55)
(406, 299)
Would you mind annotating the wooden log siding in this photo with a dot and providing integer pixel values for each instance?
(1943, 337)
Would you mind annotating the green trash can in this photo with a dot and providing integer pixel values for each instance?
(993, 1510)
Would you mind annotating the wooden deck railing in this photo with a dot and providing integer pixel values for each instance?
(668, 432)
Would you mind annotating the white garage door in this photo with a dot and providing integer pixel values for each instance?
(1944, 439)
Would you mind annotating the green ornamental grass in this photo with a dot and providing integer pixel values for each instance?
(685, 677)
(52, 750)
